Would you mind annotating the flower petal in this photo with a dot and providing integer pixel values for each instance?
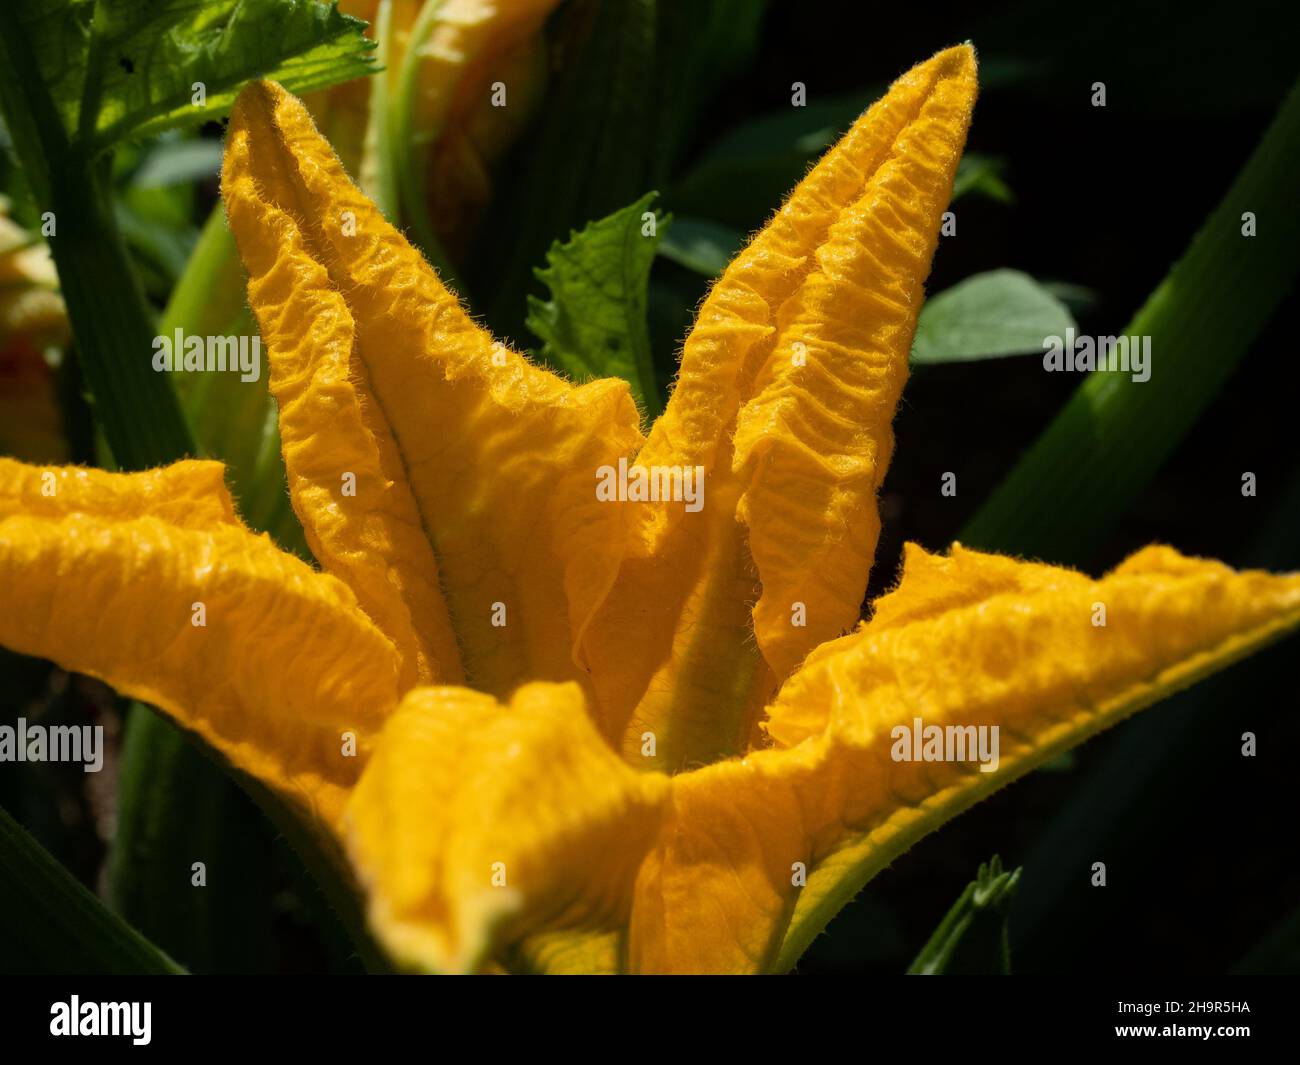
(345, 471)
(477, 823)
(475, 471)
(968, 640)
(815, 438)
(191, 494)
(104, 578)
(794, 451)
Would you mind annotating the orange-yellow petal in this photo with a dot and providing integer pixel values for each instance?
(346, 473)
(477, 823)
(969, 640)
(456, 440)
(148, 582)
(815, 438)
(191, 494)
(784, 399)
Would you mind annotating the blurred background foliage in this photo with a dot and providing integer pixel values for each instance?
(1066, 214)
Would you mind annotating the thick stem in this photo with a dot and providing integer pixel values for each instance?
(136, 407)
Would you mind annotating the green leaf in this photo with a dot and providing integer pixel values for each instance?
(630, 86)
(49, 923)
(58, 72)
(120, 69)
(972, 937)
(1002, 312)
(700, 245)
(1110, 439)
(981, 174)
(594, 324)
(173, 162)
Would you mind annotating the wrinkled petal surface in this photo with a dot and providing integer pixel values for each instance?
(477, 823)
(103, 577)
(966, 640)
(475, 538)
(815, 438)
(785, 396)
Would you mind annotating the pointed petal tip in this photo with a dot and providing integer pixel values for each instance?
(258, 103)
(836, 277)
(255, 94)
(956, 67)
(960, 59)
(261, 89)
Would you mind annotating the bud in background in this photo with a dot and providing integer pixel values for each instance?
(32, 320)
(462, 80)
(482, 76)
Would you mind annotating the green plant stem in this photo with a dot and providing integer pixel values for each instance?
(1113, 435)
(378, 178)
(176, 807)
(136, 407)
(972, 937)
(51, 922)
(34, 125)
(149, 881)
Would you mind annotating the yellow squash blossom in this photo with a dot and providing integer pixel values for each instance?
(598, 735)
